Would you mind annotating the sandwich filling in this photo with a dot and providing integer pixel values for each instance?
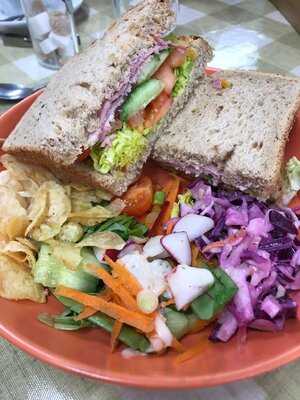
(156, 77)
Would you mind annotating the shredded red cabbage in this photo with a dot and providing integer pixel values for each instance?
(264, 262)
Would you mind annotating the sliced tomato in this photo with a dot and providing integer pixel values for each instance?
(177, 57)
(167, 76)
(139, 197)
(157, 109)
(84, 155)
(137, 120)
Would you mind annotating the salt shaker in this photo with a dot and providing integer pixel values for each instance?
(51, 31)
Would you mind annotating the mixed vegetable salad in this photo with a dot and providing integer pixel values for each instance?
(168, 259)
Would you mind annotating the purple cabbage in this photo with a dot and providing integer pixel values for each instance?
(264, 262)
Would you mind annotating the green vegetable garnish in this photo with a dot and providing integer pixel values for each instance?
(51, 272)
(126, 148)
(175, 211)
(214, 300)
(128, 335)
(292, 179)
(124, 225)
(182, 74)
(186, 198)
(159, 198)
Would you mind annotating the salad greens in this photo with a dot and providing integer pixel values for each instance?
(215, 299)
(292, 179)
(183, 75)
(128, 335)
(127, 146)
(124, 225)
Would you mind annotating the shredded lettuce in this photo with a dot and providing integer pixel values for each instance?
(128, 145)
(186, 198)
(292, 179)
(182, 74)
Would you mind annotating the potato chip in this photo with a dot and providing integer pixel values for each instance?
(13, 215)
(38, 209)
(92, 215)
(28, 243)
(29, 175)
(101, 194)
(15, 226)
(16, 282)
(59, 208)
(19, 252)
(65, 253)
(103, 240)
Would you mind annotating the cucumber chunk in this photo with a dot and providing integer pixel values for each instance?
(152, 65)
(140, 97)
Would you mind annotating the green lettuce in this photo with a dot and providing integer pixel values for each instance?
(292, 179)
(182, 74)
(126, 148)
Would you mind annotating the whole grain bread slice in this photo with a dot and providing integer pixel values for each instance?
(54, 131)
(236, 135)
(56, 126)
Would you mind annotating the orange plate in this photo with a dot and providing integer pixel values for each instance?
(87, 352)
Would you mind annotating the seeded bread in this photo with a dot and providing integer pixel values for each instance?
(54, 131)
(236, 136)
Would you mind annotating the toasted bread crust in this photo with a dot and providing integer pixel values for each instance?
(238, 135)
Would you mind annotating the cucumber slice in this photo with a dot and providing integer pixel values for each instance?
(50, 273)
(140, 97)
(152, 65)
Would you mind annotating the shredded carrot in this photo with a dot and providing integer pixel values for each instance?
(172, 190)
(115, 285)
(191, 352)
(167, 303)
(195, 253)
(221, 243)
(127, 279)
(170, 226)
(132, 318)
(115, 334)
(87, 312)
(177, 345)
(200, 325)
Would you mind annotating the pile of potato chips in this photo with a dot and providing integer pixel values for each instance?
(34, 206)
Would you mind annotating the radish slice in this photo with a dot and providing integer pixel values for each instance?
(194, 225)
(163, 332)
(178, 245)
(187, 283)
(154, 249)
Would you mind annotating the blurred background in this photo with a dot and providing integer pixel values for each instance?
(247, 34)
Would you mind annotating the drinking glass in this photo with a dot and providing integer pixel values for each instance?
(51, 30)
(120, 6)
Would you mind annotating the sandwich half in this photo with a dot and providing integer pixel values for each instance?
(234, 131)
(98, 118)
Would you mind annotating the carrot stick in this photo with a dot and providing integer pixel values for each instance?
(170, 226)
(177, 345)
(87, 312)
(191, 352)
(195, 253)
(115, 334)
(167, 303)
(132, 318)
(221, 243)
(172, 192)
(127, 279)
(114, 284)
(200, 325)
